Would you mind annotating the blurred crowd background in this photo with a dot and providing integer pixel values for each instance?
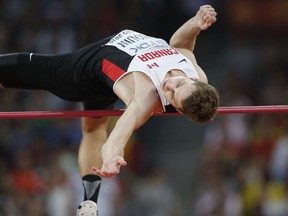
(234, 166)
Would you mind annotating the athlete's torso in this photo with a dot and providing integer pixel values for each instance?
(99, 67)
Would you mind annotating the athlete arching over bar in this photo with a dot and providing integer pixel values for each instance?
(146, 73)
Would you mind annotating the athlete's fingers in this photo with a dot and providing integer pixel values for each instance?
(206, 7)
(208, 13)
(104, 174)
(110, 168)
(209, 18)
(97, 171)
(204, 11)
(121, 161)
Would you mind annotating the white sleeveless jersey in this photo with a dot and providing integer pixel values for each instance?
(152, 56)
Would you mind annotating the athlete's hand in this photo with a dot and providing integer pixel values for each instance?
(205, 17)
(111, 167)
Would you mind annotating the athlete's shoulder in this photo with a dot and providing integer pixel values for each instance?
(134, 84)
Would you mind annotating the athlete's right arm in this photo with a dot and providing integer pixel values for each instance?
(139, 109)
(136, 114)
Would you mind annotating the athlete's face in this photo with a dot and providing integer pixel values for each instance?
(176, 89)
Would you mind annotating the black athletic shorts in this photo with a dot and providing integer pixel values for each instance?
(76, 76)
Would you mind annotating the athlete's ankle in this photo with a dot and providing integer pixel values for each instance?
(91, 184)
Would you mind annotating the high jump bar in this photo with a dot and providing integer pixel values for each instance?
(102, 113)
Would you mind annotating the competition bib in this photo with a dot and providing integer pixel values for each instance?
(134, 43)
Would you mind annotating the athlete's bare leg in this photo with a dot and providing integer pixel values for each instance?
(94, 136)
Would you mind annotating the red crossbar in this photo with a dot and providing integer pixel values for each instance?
(99, 113)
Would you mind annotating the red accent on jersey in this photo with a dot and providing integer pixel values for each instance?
(112, 70)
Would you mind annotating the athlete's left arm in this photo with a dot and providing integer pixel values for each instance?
(185, 36)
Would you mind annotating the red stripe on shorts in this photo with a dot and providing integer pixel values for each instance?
(112, 70)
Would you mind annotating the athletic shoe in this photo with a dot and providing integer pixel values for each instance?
(87, 208)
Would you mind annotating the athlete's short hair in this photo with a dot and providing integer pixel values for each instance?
(201, 105)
